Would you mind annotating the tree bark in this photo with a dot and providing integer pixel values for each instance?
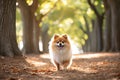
(99, 34)
(94, 36)
(107, 36)
(45, 37)
(88, 41)
(8, 43)
(36, 36)
(115, 11)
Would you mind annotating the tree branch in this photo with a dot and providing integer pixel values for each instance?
(82, 29)
(34, 5)
(106, 5)
(86, 23)
(93, 8)
(43, 15)
(22, 4)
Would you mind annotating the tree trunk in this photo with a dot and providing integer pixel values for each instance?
(99, 34)
(8, 43)
(88, 41)
(94, 36)
(98, 25)
(115, 11)
(27, 18)
(107, 37)
(45, 37)
(36, 36)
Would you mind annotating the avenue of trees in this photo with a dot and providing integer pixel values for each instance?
(94, 25)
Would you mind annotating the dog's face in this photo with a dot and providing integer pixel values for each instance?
(61, 41)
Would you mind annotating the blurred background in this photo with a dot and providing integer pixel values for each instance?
(90, 24)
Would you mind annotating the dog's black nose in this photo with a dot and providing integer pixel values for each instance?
(60, 45)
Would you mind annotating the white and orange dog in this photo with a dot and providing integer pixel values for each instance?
(60, 51)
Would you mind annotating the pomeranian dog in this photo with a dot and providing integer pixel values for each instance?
(60, 51)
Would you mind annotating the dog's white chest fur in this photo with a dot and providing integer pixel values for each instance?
(61, 55)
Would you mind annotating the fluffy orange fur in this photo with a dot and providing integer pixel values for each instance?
(60, 51)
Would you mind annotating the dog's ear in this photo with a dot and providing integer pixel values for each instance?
(56, 36)
(65, 36)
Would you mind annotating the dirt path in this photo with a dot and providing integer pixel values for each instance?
(97, 66)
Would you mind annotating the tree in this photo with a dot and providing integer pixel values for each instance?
(87, 46)
(31, 29)
(112, 25)
(45, 37)
(8, 43)
(98, 26)
(108, 33)
(115, 18)
(27, 13)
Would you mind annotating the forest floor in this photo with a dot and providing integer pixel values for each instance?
(88, 66)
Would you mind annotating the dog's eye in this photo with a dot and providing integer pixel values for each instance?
(62, 41)
(57, 41)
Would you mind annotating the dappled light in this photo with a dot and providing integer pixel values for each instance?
(36, 60)
(46, 56)
(85, 69)
(94, 55)
(55, 77)
(36, 63)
